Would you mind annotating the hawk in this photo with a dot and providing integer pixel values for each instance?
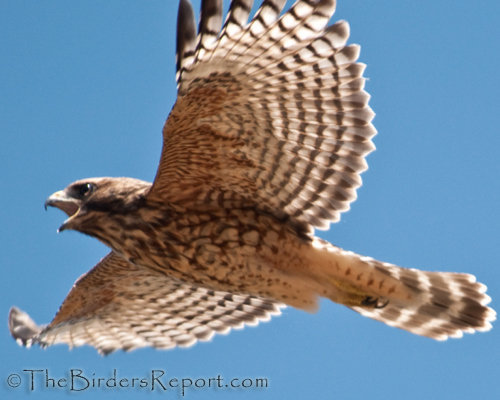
(265, 143)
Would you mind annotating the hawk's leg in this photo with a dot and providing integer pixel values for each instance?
(352, 296)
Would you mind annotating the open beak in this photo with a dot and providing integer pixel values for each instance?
(65, 203)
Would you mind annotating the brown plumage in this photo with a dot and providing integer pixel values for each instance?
(265, 143)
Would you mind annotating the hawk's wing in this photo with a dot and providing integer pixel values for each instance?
(117, 305)
(270, 114)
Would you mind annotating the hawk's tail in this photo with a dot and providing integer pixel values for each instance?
(446, 304)
(433, 304)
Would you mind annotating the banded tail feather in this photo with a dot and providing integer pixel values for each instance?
(437, 305)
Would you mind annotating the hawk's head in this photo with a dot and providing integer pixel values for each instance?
(90, 202)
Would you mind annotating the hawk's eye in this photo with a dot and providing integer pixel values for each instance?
(86, 189)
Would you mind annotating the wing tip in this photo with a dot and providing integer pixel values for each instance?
(22, 328)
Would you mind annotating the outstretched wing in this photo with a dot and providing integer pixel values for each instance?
(270, 114)
(117, 305)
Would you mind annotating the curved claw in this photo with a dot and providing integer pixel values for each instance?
(382, 305)
(370, 301)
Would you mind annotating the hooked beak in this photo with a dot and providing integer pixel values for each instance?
(65, 203)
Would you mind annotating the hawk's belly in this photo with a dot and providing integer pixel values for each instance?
(239, 251)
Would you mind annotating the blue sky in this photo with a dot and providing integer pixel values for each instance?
(85, 87)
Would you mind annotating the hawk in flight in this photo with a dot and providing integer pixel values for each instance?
(266, 141)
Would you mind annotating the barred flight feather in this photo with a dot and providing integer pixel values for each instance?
(117, 305)
(290, 78)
